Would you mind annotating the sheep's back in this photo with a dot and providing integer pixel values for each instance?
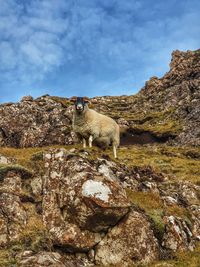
(108, 127)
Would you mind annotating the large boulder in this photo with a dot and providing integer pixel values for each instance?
(79, 202)
(130, 241)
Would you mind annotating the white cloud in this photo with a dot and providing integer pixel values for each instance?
(107, 42)
(32, 33)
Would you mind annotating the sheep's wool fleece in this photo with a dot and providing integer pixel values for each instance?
(96, 124)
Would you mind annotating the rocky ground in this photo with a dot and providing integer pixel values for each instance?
(74, 207)
(61, 205)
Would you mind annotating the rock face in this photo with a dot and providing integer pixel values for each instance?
(166, 109)
(179, 89)
(78, 212)
(32, 123)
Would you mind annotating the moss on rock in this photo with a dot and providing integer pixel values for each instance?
(24, 172)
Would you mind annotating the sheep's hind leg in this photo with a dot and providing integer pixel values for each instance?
(114, 151)
(90, 140)
(84, 143)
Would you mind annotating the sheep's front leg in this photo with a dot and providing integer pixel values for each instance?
(90, 140)
(84, 143)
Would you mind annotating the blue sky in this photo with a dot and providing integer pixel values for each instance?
(90, 47)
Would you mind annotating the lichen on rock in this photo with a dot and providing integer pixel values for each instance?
(96, 189)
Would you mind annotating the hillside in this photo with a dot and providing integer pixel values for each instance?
(62, 205)
(168, 108)
(165, 110)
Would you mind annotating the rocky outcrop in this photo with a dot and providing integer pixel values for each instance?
(166, 108)
(13, 216)
(32, 123)
(78, 212)
(179, 89)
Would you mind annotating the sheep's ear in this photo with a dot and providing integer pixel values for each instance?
(73, 99)
(86, 100)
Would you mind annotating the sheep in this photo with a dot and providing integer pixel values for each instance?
(93, 126)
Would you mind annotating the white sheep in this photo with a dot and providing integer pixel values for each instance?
(93, 126)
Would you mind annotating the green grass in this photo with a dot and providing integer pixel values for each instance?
(183, 259)
(15, 168)
(6, 258)
(153, 207)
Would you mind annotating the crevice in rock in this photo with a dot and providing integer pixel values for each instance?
(142, 137)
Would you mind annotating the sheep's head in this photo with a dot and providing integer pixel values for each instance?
(80, 103)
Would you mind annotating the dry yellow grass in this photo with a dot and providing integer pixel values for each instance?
(176, 162)
(173, 161)
(183, 259)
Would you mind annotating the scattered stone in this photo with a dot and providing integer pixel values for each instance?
(177, 236)
(6, 160)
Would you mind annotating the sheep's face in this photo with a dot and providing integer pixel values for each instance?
(80, 103)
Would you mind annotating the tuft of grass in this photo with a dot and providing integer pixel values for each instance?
(37, 156)
(145, 200)
(22, 155)
(156, 217)
(6, 258)
(35, 236)
(153, 207)
(181, 259)
(4, 169)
